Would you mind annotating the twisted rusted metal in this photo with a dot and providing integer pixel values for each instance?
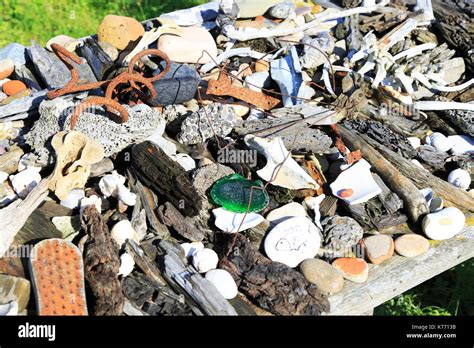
(130, 77)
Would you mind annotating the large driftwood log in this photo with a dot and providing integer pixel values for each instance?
(422, 179)
(271, 285)
(413, 200)
(101, 264)
(201, 295)
(156, 170)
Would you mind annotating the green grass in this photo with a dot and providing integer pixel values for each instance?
(450, 293)
(40, 20)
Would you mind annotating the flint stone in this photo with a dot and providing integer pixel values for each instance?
(16, 52)
(177, 86)
(98, 59)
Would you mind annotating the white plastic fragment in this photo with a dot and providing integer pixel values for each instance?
(230, 222)
(126, 264)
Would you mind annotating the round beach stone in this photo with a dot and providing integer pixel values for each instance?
(14, 51)
(120, 31)
(292, 241)
(326, 277)
(378, 248)
(353, 269)
(6, 68)
(13, 87)
(204, 260)
(411, 245)
(194, 45)
(443, 224)
(286, 211)
(223, 282)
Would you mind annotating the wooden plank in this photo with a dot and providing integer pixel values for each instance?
(400, 274)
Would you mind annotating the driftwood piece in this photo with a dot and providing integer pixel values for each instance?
(421, 178)
(383, 135)
(434, 159)
(200, 294)
(380, 211)
(186, 227)
(149, 201)
(101, 264)
(271, 285)
(307, 138)
(156, 170)
(13, 217)
(399, 274)
(413, 200)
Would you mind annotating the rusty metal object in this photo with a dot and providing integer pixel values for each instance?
(223, 87)
(351, 156)
(110, 101)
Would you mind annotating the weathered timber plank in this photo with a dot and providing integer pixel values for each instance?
(400, 274)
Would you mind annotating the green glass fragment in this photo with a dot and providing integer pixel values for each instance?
(233, 194)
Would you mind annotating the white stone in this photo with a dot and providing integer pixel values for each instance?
(462, 144)
(73, 199)
(289, 174)
(460, 178)
(258, 80)
(292, 241)
(122, 231)
(230, 222)
(194, 45)
(113, 185)
(186, 161)
(3, 176)
(439, 141)
(285, 212)
(10, 308)
(204, 260)
(223, 282)
(126, 264)
(25, 181)
(191, 248)
(443, 224)
(359, 179)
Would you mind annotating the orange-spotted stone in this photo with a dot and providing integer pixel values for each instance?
(353, 269)
(57, 273)
(378, 248)
(13, 87)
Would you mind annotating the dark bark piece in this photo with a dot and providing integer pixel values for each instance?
(383, 135)
(271, 285)
(414, 202)
(156, 170)
(437, 124)
(186, 227)
(98, 60)
(435, 159)
(101, 264)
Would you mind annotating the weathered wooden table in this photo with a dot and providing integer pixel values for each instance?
(399, 274)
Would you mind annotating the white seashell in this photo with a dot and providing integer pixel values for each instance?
(443, 224)
(122, 231)
(292, 241)
(359, 179)
(10, 308)
(126, 264)
(460, 178)
(414, 141)
(230, 222)
(113, 185)
(313, 203)
(439, 141)
(73, 198)
(462, 144)
(289, 175)
(92, 200)
(204, 260)
(191, 248)
(25, 181)
(223, 282)
(285, 212)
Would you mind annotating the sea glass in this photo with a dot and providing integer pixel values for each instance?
(233, 194)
